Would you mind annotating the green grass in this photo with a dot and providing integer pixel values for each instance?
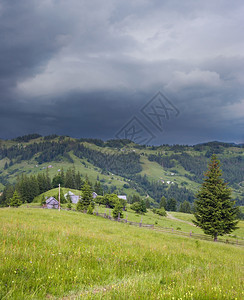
(51, 254)
(166, 222)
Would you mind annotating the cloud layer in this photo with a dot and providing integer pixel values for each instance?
(86, 68)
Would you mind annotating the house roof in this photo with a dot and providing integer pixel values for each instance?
(51, 200)
(69, 193)
(122, 197)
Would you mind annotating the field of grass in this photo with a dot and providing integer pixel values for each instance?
(47, 254)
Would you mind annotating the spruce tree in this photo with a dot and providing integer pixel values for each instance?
(214, 210)
(86, 199)
(163, 203)
(15, 201)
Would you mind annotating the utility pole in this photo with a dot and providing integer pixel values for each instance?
(59, 197)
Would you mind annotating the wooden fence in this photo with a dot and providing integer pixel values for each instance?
(231, 240)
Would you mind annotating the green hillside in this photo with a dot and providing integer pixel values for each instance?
(123, 166)
(47, 254)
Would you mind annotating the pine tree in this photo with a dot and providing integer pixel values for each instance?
(214, 210)
(185, 207)
(78, 182)
(171, 204)
(86, 199)
(163, 202)
(70, 179)
(15, 201)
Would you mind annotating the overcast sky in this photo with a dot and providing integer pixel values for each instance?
(94, 69)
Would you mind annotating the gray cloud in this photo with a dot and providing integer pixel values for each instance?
(68, 68)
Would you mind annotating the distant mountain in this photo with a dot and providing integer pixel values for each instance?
(173, 171)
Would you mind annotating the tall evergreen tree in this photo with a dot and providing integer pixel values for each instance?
(78, 181)
(6, 195)
(214, 210)
(86, 199)
(98, 189)
(185, 207)
(15, 201)
(171, 204)
(70, 179)
(163, 203)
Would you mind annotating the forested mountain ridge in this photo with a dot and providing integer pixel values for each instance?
(123, 166)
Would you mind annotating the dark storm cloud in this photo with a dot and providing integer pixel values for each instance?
(68, 68)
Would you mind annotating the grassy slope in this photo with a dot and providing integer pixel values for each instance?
(47, 254)
(157, 173)
(167, 222)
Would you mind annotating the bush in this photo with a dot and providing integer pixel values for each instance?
(139, 207)
(118, 210)
(160, 211)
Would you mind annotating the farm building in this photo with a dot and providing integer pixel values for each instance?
(52, 203)
(73, 197)
(122, 197)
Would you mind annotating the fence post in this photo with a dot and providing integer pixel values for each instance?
(190, 233)
(118, 217)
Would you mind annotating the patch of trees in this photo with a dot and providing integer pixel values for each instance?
(97, 142)
(48, 151)
(50, 137)
(27, 187)
(27, 138)
(121, 164)
(110, 201)
(117, 143)
(164, 161)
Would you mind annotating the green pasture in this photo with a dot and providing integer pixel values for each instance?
(47, 254)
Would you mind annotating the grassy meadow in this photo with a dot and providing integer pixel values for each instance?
(47, 254)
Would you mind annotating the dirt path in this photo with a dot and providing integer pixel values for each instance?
(176, 219)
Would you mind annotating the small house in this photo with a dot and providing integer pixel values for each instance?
(74, 198)
(52, 203)
(123, 197)
(94, 195)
